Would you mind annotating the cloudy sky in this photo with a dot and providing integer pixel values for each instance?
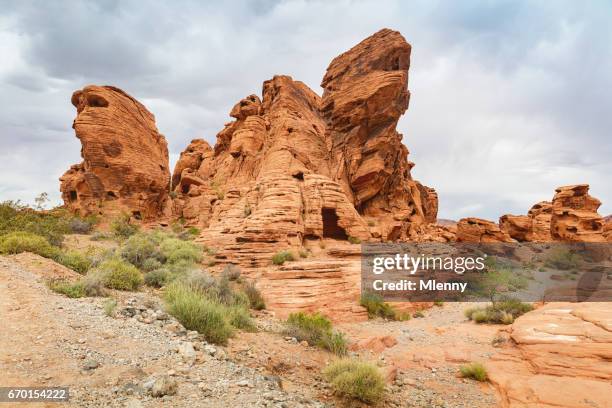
(509, 99)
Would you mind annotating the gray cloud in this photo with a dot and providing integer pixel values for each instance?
(509, 98)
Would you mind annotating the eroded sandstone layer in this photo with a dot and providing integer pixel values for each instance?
(295, 166)
(559, 357)
(125, 159)
(570, 217)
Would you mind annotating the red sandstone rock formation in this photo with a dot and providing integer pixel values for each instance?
(571, 216)
(558, 352)
(574, 215)
(479, 230)
(608, 228)
(294, 165)
(125, 159)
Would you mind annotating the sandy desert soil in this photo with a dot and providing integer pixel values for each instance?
(51, 340)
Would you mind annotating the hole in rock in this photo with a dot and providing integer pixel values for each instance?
(331, 229)
(185, 188)
(299, 176)
(97, 101)
(137, 215)
(111, 194)
(73, 195)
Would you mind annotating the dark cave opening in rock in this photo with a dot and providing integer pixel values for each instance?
(331, 229)
(73, 195)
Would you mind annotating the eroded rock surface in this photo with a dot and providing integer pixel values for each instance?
(125, 159)
(560, 358)
(571, 216)
(478, 230)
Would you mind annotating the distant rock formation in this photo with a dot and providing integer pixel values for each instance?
(125, 159)
(478, 230)
(571, 217)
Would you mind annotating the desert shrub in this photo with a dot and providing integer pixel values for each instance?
(115, 273)
(174, 250)
(256, 300)
(231, 272)
(475, 371)
(438, 303)
(21, 241)
(354, 240)
(122, 228)
(376, 307)
(150, 264)
(51, 225)
(240, 318)
(80, 226)
(335, 342)
(139, 248)
(315, 329)
(198, 313)
(109, 307)
(193, 231)
(157, 278)
(69, 289)
(418, 314)
(281, 257)
(356, 379)
(75, 260)
(100, 236)
(94, 284)
(563, 259)
(501, 312)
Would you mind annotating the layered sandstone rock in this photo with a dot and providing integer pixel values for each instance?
(571, 216)
(574, 215)
(365, 93)
(478, 230)
(125, 158)
(294, 165)
(558, 353)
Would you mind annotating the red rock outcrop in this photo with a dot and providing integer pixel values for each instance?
(560, 357)
(574, 215)
(478, 230)
(571, 216)
(607, 229)
(125, 159)
(294, 165)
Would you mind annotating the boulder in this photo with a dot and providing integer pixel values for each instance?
(125, 159)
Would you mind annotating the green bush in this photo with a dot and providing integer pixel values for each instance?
(475, 371)
(501, 312)
(281, 257)
(51, 225)
(175, 250)
(376, 307)
(139, 248)
(69, 289)
(122, 228)
(240, 318)
(315, 329)
(21, 241)
(109, 307)
(80, 226)
(256, 300)
(356, 379)
(75, 260)
(354, 240)
(563, 259)
(115, 273)
(150, 264)
(195, 312)
(157, 278)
